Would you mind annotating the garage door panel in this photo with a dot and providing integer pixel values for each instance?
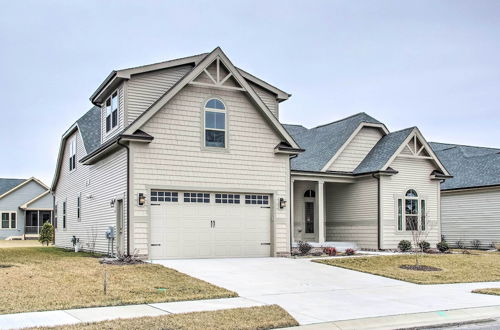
(185, 230)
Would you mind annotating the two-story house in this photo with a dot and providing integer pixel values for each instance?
(188, 159)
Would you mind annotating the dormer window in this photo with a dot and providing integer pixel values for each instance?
(215, 124)
(112, 112)
(72, 154)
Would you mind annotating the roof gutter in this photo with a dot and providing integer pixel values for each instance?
(106, 81)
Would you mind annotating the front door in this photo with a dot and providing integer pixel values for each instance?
(119, 227)
(309, 220)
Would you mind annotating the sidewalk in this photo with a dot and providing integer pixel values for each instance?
(417, 320)
(72, 316)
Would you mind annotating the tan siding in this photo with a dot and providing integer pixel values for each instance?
(176, 158)
(351, 212)
(413, 174)
(144, 89)
(97, 184)
(471, 215)
(356, 150)
(121, 119)
(268, 98)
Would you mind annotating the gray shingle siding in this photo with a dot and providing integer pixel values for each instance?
(470, 166)
(322, 143)
(383, 151)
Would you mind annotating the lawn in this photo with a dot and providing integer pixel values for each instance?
(36, 279)
(492, 291)
(455, 268)
(263, 317)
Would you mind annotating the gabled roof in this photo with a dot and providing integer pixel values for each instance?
(470, 166)
(90, 129)
(26, 205)
(380, 154)
(323, 142)
(8, 186)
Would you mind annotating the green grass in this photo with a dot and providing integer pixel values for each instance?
(262, 317)
(49, 278)
(456, 268)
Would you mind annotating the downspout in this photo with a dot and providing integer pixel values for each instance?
(290, 207)
(128, 193)
(379, 217)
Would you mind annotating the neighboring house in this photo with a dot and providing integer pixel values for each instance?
(470, 203)
(187, 158)
(25, 205)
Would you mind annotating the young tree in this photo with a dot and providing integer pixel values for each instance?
(46, 234)
(419, 232)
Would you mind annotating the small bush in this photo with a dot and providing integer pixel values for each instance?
(442, 246)
(476, 244)
(460, 244)
(304, 247)
(46, 234)
(424, 245)
(349, 252)
(331, 251)
(404, 246)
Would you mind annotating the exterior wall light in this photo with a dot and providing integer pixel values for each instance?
(282, 203)
(141, 199)
(112, 202)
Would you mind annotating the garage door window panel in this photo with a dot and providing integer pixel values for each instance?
(192, 197)
(164, 196)
(257, 199)
(227, 199)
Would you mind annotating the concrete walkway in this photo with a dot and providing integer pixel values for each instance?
(72, 316)
(315, 293)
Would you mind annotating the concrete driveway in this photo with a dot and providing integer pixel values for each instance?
(313, 292)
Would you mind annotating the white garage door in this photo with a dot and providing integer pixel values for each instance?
(209, 225)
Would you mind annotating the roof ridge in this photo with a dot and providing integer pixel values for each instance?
(465, 145)
(339, 120)
(294, 125)
(171, 60)
(404, 129)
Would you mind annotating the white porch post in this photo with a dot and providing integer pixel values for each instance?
(292, 223)
(38, 222)
(321, 211)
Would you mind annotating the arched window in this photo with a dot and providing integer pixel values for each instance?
(310, 193)
(411, 212)
(215, 123)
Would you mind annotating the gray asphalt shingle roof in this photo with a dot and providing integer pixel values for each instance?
(7, 184)
(90, 128)
(382, 151)
(322, 142)
(470, 166)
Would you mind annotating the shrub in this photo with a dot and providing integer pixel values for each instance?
(424, 245)
(46, 234)
(404, 246)
(476, 244)
(331, 251)
(304, 247)
(349, 252)
(460, 244)
(442, 246)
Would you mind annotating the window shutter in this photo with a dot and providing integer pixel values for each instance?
(423, 215)
(400, 214)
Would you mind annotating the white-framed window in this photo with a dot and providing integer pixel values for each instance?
(215, 135)
(9, 219)
(164, 196)
(112, 111)
(411, 211)
(72, 153)
(64, 215)
(257, 199)
(227, 198)
(192, 197)
(79, 207)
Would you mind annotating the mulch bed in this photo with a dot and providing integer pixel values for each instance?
(421, 268)
(120, 262)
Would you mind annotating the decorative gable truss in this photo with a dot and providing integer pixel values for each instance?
(216, 75)
(415, 149)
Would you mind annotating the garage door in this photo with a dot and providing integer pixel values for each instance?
(209, 225)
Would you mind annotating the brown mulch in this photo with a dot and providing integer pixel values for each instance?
(422, 268)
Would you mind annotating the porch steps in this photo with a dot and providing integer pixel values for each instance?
(340, 246)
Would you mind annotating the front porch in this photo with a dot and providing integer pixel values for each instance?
(334, 211)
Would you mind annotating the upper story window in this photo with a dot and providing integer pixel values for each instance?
(72, 154)
(112, 112)
(215, 124)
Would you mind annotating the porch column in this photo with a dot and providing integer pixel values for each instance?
(292, 222)
(38, 222)
(321, 211)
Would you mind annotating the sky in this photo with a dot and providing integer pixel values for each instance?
(431, 64)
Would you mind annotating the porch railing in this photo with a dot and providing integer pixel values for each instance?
(32, 229)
